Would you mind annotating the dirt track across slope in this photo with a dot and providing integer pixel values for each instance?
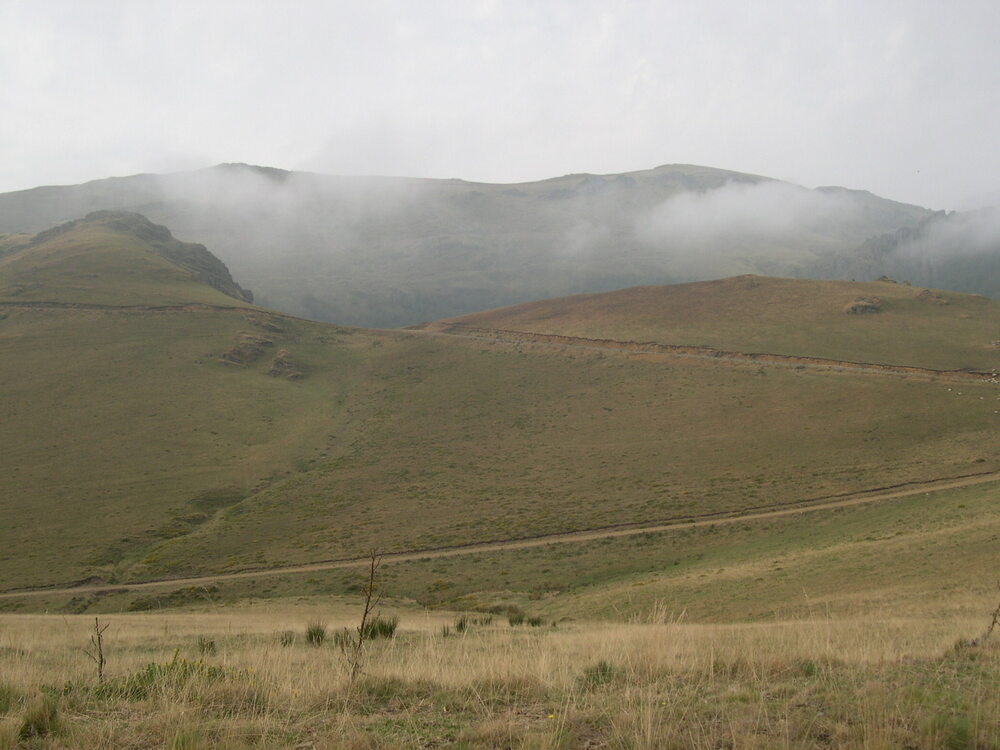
(570, 537)
(709, 353)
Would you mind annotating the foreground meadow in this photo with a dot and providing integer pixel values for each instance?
(246, 677)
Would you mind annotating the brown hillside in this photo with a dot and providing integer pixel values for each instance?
(907, 326)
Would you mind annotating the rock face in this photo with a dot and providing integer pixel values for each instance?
(957, 250)
(188, 255)
(864, 306)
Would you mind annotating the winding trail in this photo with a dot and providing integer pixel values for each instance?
(795, 507)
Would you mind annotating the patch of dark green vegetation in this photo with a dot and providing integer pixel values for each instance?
(178, 598)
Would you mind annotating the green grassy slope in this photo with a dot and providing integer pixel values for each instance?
(110, 258)
(925, 555)
(916, 327)
(146, 443)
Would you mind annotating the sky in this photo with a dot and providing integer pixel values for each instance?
(899, 98)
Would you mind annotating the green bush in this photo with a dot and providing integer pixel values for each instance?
(515, 618)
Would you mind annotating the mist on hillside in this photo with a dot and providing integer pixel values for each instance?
(389, 251)
(958, 251)
(959, 235)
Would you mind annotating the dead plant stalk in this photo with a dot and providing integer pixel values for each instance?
(372, 599)
(96, 650)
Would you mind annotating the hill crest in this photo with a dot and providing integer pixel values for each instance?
(113, 257)
(904, 325)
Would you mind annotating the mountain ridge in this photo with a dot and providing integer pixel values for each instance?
(395, 251)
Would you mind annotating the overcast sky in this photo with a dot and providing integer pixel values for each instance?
(900, 98)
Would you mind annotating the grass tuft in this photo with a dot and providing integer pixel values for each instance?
(40, 719)
(315, 634)
(380, 627)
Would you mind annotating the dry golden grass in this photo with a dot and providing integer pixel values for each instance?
(872, 682)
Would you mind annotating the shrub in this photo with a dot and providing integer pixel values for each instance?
(535, 622)
(287, 638)
(515, 618)
(206, 646)
(461, 624)
(40, 719)
(315, 634)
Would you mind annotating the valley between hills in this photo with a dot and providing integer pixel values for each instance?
(765, 498)
(161, 426)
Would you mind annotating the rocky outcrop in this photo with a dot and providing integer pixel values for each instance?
(188, 255)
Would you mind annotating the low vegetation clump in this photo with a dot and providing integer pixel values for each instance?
(40, 719)
(153, 679)
(380, 627)
(9, 698)
(206, 646)
(315, 634)
(599, 674)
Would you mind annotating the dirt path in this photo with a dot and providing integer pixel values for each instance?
(569, 537)
(653, 348)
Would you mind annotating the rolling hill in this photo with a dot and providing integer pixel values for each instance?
(116, 259)
(155, 427)
(397, 251)
(895, 324)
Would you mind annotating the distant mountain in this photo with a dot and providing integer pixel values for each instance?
(397, 251)
(112, 257)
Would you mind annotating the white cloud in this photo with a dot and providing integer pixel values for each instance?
(896, 97)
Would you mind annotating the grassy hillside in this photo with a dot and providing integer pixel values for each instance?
(112, 258)
(161, 442)
(397, 251)
(912, 326)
